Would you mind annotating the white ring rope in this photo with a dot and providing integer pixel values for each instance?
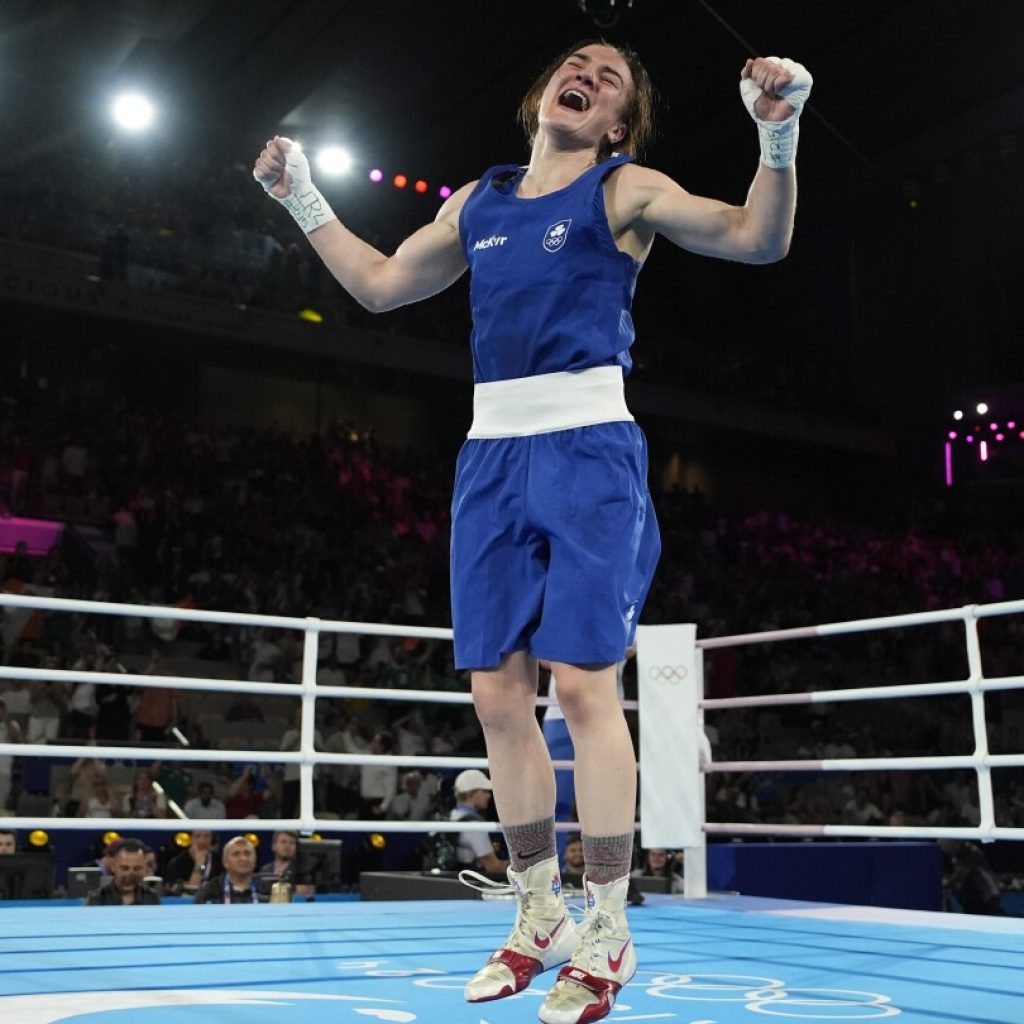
(307, 757)
(867, 693)
(965, 614)
(975, 686)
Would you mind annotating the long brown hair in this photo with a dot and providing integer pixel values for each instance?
(637, 112)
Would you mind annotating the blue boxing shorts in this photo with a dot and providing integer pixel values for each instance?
(554, 545)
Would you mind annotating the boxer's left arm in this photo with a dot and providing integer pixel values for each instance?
(759, 231)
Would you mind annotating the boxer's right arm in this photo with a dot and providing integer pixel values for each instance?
(425, 263)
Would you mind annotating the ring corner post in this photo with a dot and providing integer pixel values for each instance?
(669, 689)
(307, 727)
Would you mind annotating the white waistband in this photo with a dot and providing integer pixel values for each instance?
(550, 401)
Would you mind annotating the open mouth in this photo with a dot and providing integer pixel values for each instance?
(574, 100)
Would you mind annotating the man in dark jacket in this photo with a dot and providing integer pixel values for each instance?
(125, 888)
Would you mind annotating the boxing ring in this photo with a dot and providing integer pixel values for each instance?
(704, 958)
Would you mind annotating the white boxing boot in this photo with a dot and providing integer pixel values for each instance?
(543, 936)
(602, 963)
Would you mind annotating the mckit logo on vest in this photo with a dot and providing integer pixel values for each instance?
(490, 243)
(555, 236)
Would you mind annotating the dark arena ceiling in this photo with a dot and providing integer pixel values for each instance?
(434, 83)
(911, 98)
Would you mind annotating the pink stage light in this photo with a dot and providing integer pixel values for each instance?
(949, 464)
(444, 191)
(999, 437)
(1011, 425)
(376, 174)
(983, 451)
(952, 435)
(969, 439)
(993, 426)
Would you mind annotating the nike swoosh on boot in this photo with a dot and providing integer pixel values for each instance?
(615, 964)
(544, 943)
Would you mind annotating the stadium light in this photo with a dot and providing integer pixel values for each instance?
(133, 112)
(334, 160)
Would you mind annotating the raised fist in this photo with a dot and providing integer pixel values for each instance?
(270, 170)
(774, 88)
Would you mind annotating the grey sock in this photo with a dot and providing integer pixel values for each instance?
(607, 857)
(530, 844)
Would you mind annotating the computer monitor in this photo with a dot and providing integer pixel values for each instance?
(318, 862)
(84, 880)
(27, 876)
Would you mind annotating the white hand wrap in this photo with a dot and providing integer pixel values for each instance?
(779, 138)
(304, 201)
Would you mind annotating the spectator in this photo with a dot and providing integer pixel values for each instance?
(572, 857)
(285, 847)
(264, 663)
(126, 887)
(16, 696)
(187, 870)
(442, 739)
(475, 849)
(8, 841)
(290, 786)
(113, 701)
(105, 860)
(343, 780)
(410, 734)
(416, 800)
(175, 779)
(85, 772)
(329, 672)
(10, 732)
(74, 461)
(971, 880)
(101, 803)
(378, 783)
(80, 716)
(861, 810)
(243, 799)
(158, 706)
(46, 703)
(238, 882)
(205, 804)
(144, 800)
(959, 792)
(658, 863)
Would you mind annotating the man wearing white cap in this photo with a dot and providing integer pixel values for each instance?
(474, 849)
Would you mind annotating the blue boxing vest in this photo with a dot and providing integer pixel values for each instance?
(549, 290)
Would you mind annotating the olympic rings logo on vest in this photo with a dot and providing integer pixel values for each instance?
(670, 674)
(555, 236)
